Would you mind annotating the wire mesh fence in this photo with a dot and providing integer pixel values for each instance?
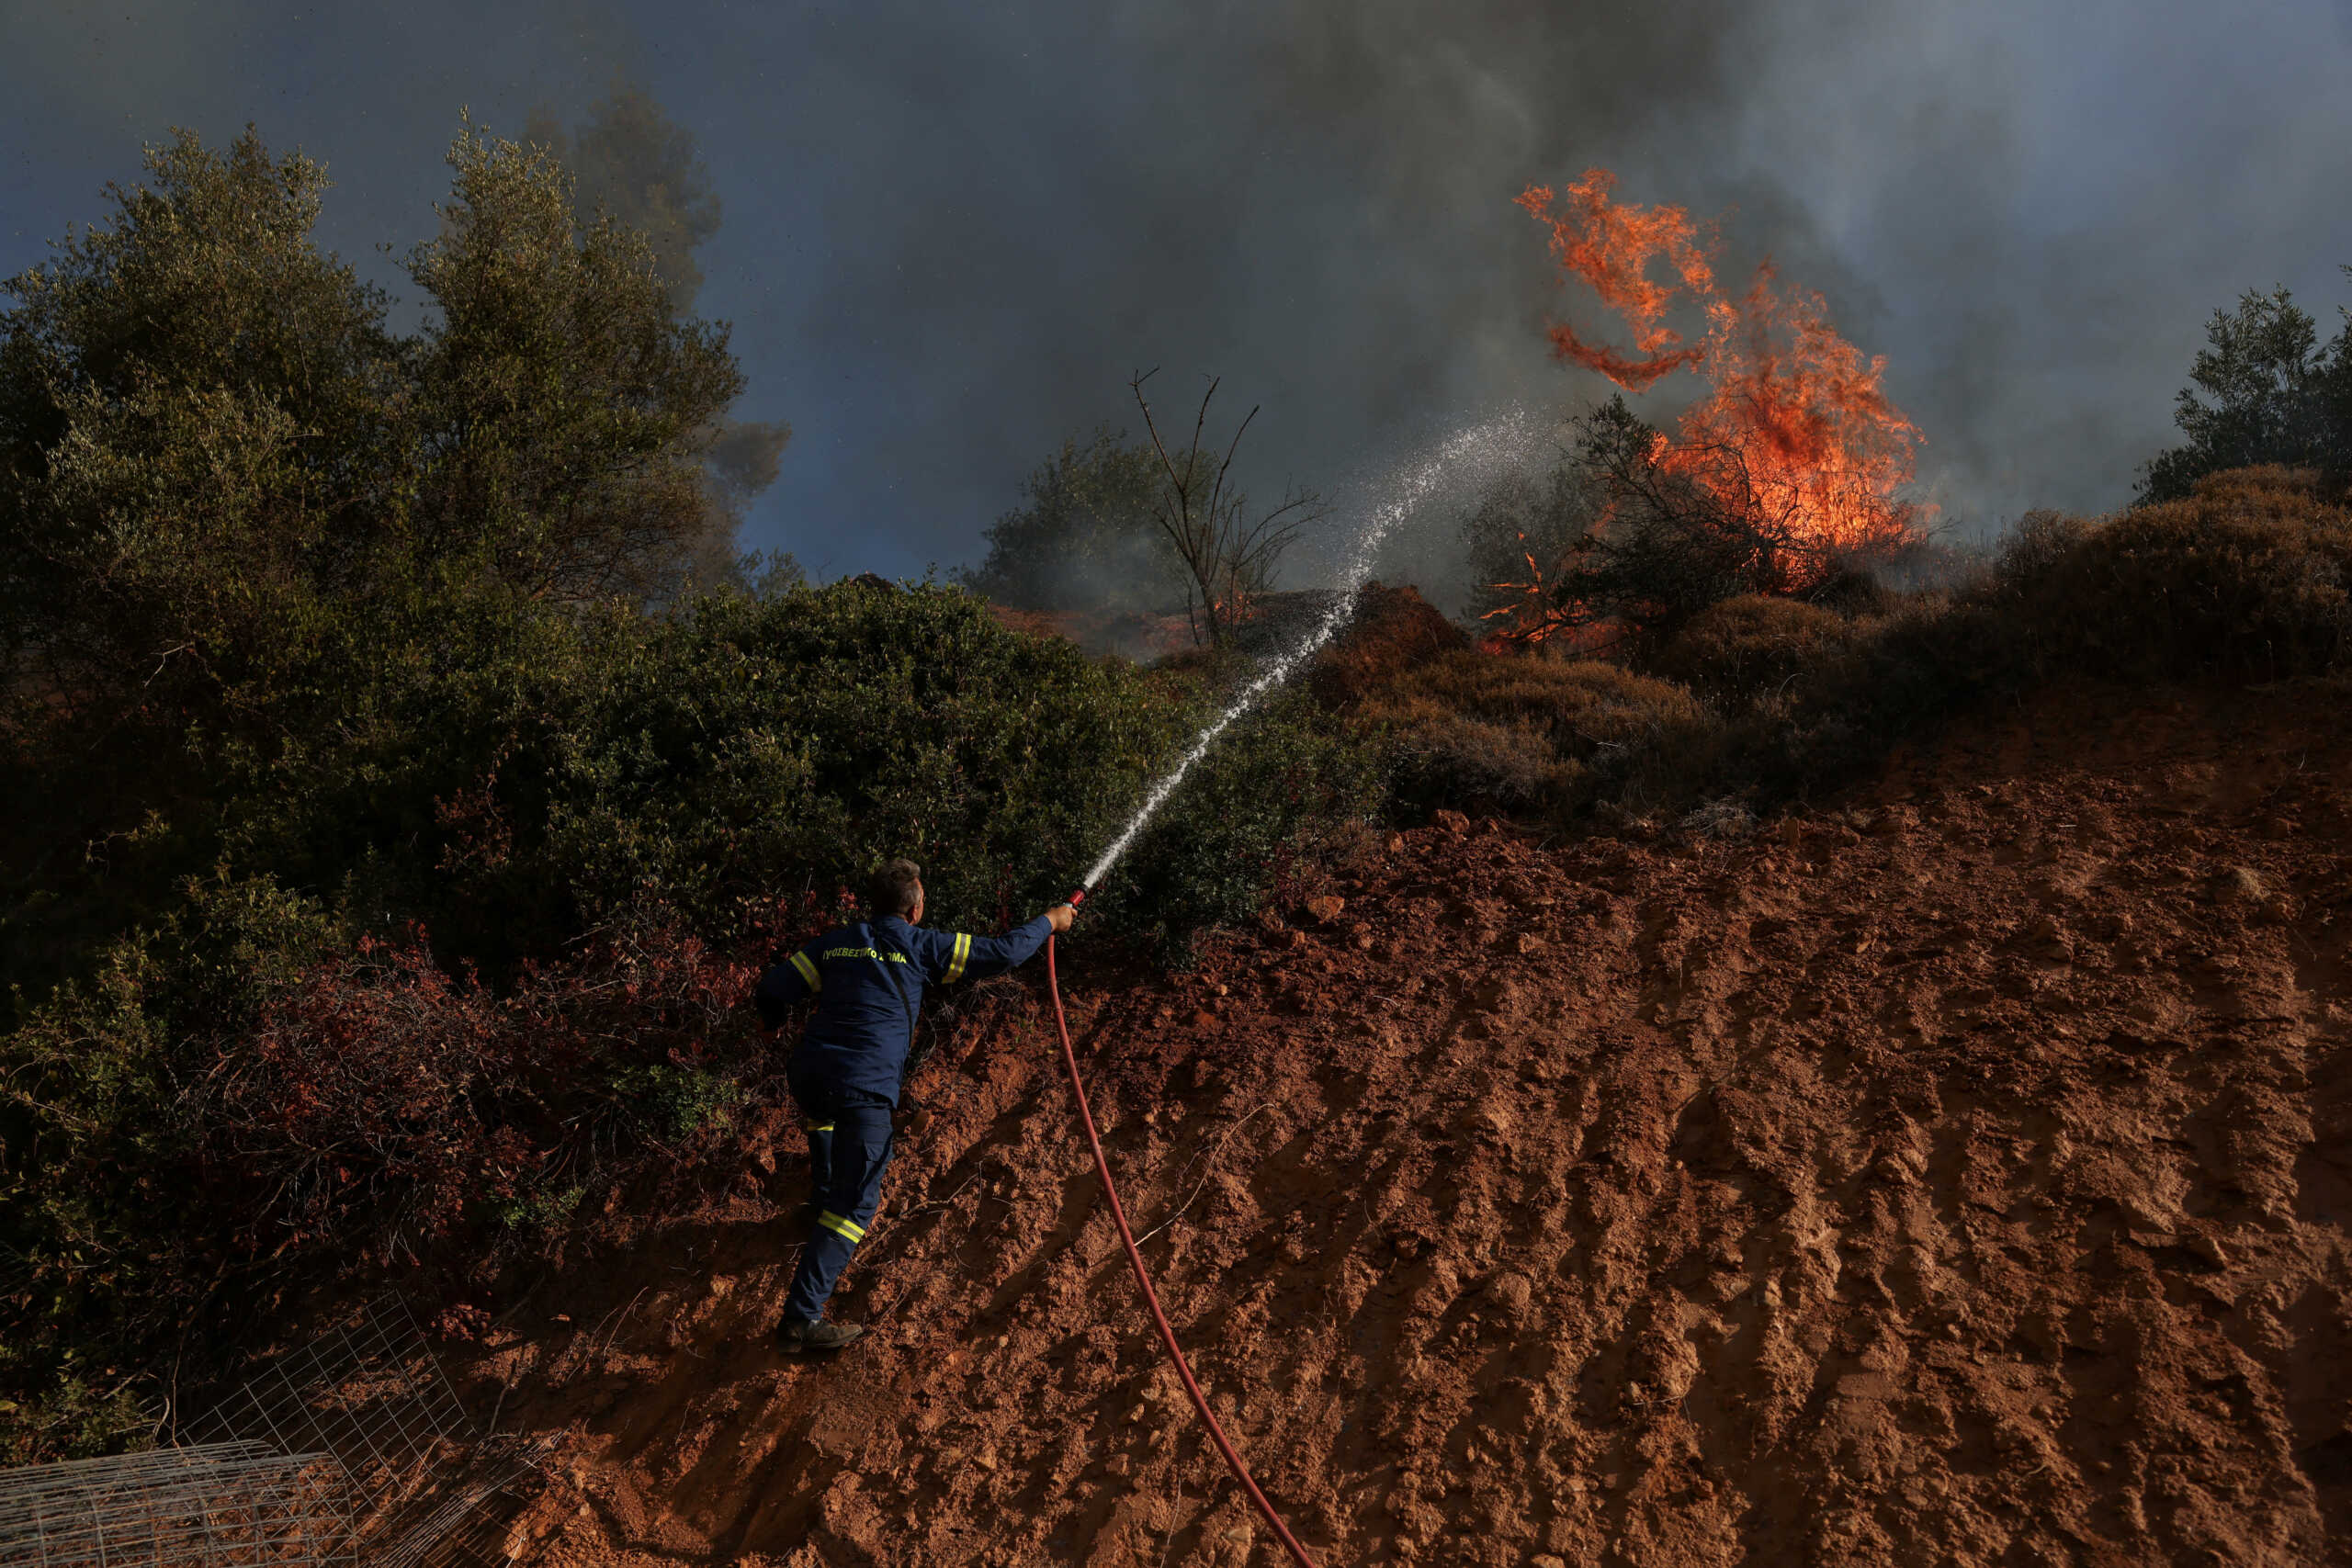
(369, 1392)
(218, 1506)
(350, 1449)
(425, 1479)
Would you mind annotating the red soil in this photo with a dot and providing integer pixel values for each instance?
(1958, 1177)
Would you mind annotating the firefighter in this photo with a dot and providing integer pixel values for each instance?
(851, 1064)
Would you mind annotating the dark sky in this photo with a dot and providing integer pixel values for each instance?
(953, 231)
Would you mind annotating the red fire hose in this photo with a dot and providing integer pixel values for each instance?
(1151, 1296)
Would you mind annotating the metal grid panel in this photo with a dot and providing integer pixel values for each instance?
(351, 1447)
(221, 1505)
(371, 1393)
(368, 1392)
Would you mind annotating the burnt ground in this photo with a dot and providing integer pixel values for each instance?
(1956, 1174)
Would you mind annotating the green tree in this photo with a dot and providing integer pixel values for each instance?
(237, 510)
(644, 170)
(1085, 536)
(565, 408)
(638, 167)
(2262, 390)
(202, 425)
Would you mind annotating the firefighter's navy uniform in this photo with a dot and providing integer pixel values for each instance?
(852, 1061)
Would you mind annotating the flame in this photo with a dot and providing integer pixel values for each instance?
(1797, 428)
(1612, 248)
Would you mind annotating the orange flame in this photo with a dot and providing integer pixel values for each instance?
(1612, 248)
(1797, 427)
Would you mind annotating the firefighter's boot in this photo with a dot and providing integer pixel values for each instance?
(795, 1335)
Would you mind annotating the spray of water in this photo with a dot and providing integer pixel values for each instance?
(1480, 447)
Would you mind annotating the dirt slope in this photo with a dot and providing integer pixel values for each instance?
(1959, 1176)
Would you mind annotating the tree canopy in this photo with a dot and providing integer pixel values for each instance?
(1085, 536)
(237, 505)
(2262, 390)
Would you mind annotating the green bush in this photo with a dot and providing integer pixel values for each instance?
(751, 748)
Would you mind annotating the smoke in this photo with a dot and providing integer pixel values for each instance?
(632, 162)
(1312, 200)
(953, 233)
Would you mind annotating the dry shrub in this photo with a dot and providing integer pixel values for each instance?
(2251, 576)
(1742, 649)
(381, 1103)
(1517, 732)
(1393, 631)
(1447, 759)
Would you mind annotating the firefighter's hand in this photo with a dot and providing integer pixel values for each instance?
(1059, 917)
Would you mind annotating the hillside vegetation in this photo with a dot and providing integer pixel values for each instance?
(397, 817)
(1754, 702)
(407, 781)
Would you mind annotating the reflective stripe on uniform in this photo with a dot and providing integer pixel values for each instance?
(956, 960)
(840, 1227)
(808, 971)
(826, 1127)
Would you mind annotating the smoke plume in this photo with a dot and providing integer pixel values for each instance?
(953, 233)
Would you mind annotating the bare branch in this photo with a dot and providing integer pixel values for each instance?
(1227, 555)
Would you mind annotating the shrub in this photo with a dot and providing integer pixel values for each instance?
(243, 1102)
(1742, 649)
(2248, 576)
(747, 746)
(1519, 731)
(1392, 630)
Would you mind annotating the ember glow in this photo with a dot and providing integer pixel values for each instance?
(1797, 428)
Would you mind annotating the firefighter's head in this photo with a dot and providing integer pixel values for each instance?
(897, 889)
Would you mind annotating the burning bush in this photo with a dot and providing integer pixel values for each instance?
(1792, 463)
